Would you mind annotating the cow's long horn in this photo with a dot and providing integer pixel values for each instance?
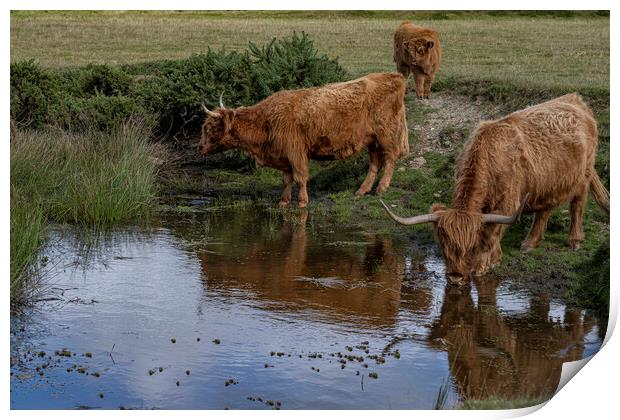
(506, 220)
(208, 112)
(221, 100)
(415, 220)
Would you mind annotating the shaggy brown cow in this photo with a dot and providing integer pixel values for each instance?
(417, 50)
(545, 152)
(333, 121)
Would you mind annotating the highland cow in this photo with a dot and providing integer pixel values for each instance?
(535, 160)
(417, 50)
(334, 121)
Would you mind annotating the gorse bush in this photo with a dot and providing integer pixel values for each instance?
(170, 92)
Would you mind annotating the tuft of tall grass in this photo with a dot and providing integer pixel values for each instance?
(89, 178)
(27, 236)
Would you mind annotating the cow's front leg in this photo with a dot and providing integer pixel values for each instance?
(388, 171)
(300, 175)
(373, 169)
(419, 84)
(537, 231)
(287, 177)
(428, 82)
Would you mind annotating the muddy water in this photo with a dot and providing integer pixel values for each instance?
(251, 309)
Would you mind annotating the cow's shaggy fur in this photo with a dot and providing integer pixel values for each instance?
(334, 121)
(548, 151)
(417, 50)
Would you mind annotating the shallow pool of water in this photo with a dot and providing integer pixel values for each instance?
(252, 309)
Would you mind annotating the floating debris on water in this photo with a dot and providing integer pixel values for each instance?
(173, 340)
(63, 353)
(373, 375)
(187, 372)
(88, 354)
(217, 341)
(100, 395)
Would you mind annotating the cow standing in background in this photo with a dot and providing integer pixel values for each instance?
(417, 51)
(534, 159)
(334, 121)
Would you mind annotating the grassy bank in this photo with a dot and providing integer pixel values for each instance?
(91, 178)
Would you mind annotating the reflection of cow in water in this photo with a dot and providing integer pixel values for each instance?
(357, 280)
(510, 356)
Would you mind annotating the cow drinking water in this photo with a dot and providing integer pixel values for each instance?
(535, 160)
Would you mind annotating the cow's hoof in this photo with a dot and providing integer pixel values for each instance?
(574, 244)
(302, 205)
(284, 203)
(360, 193)
(380, 190)
(527, 247)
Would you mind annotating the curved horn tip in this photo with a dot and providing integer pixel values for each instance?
(221, 100)
(425, 218)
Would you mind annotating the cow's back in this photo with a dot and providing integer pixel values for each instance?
(335, 103)
(547, 149)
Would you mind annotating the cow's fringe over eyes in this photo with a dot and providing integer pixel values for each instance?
(460, 229)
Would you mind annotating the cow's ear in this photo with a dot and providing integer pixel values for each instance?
(406, 44)
(430, 44)
(437, 207)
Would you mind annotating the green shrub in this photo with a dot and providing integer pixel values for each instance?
(33, 92)
(170, 91)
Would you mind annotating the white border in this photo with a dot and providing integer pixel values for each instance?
(591, 395)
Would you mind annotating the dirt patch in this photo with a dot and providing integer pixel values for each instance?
(443, 123)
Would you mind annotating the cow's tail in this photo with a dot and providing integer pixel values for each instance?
(404, 136)
(600, 193)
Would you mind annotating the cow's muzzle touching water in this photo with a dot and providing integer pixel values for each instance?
(463, 237)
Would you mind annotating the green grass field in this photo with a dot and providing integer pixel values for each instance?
(542, 52)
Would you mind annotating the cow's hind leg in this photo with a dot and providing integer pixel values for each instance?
(537, 231)
(577, 207)
(373, 169)
(287, 177)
